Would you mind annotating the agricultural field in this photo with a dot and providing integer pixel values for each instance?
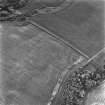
(52, 52)
(80, 24)
(32, 63)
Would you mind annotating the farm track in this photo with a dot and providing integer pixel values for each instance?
(19, 47)
(98, 60)
(81, 30)
(60, 39)
(87, 57)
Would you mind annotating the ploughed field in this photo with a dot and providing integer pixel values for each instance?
(32, 62)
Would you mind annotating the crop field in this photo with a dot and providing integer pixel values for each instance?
(80, 24)
(32, 62)
(52, 52)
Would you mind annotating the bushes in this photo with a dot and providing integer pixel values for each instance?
(8, 9)
(15, 4)
(79, 83)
